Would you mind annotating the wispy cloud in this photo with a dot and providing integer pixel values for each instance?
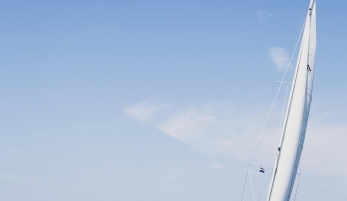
(8, 176)
(211, 128)
(218, 166)
(144, 111)
(263, 16)
(224, 129)
(280, 57)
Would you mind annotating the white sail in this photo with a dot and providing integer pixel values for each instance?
(294, 130)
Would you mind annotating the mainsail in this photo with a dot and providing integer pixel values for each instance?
(294, 129)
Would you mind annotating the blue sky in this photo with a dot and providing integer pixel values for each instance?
(160, 100)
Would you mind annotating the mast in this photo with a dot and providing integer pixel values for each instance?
(294, 129)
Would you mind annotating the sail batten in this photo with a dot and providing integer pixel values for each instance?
(294, 129)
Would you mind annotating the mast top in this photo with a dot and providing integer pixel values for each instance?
(311, 6)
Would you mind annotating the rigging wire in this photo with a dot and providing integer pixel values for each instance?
(282, 119)
(255, 147)
(282, 115)
(264, 188)
(297, 187)
(299, 179)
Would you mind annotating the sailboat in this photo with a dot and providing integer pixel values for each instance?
(293, 133)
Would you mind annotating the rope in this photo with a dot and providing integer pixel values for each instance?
(300, 170)
(264, 188)
(297, 187)
(250, 179)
